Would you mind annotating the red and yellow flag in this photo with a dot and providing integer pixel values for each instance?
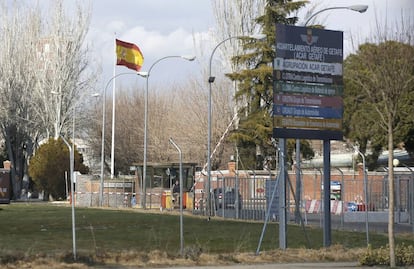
(129, 55)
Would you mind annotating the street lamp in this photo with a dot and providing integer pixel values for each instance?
(71, 167)
(103, 134)
(210, 82)
(72, 199)
(181, 196)
(147, 75)
(356, 153)
(358, 8)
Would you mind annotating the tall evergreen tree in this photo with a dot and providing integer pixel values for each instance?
(255, 88)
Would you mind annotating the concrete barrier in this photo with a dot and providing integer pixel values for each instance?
(375, 216)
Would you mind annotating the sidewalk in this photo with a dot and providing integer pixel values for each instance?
(321, 265)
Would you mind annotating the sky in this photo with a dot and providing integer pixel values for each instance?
(158, 27)
(167, 28)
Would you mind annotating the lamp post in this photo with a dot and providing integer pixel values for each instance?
(71, 165)
(357, 8)
(210, 82)
(71, 149)
(147, 75)
(181, 196)
(356, 153)
(103, 134)
(72, 175)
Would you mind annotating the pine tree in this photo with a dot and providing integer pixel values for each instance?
(255, 88)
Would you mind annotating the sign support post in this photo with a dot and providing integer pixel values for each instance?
(326, 193)
(282, 196)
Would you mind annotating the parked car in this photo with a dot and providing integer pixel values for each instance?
(226, 199)
(351, 206)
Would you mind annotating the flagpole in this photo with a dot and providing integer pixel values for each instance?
(113, 113)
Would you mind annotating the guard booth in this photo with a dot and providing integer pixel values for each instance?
(4, 186)
(157, 189)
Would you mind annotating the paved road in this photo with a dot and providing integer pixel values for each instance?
(338, 265)
(324, 265)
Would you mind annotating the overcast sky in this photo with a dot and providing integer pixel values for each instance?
(167, 27)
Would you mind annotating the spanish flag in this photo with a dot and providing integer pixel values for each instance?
(129, 55)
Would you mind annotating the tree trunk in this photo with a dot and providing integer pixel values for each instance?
(16, 187)
(391, 205)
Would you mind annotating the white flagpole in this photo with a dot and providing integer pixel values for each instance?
(113, 114)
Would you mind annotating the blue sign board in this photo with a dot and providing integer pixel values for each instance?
(308, 62)
(309, 44)
(307, 111)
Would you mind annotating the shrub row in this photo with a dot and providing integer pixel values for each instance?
(404, 256)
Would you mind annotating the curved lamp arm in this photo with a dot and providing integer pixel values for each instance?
(358, 8)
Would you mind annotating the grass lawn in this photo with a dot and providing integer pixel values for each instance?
(46, 229)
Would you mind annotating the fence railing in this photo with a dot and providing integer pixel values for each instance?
(248, 197)
(253, 200)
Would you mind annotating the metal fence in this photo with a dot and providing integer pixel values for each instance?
(248, 195)
(255, 196)
(235, 197)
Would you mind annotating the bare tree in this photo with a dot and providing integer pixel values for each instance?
(30, 70)
(186, 122)
(16, 83)
(192, 124)
(63, 78)
(129, 128)
(233, 19)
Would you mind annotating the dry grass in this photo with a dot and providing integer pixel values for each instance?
(158, 258)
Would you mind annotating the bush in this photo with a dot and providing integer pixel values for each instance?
(404, 256)
(48, 166)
